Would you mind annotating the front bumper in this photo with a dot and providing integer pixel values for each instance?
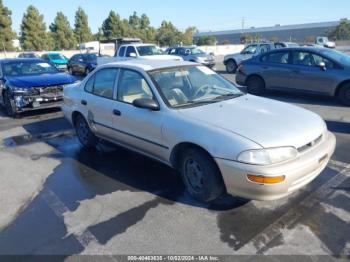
(298, 173)
(30, 102)
(241, 78)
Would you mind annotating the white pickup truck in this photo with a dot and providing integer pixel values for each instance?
(138, 51)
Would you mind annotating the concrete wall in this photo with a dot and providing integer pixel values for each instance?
(67, 53)
(217, 50)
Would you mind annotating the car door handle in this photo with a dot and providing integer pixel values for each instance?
(117, 112)
(83, 102)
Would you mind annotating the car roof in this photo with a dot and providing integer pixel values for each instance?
(138, 44)
(9, 60)
(148, 65)
(307, 48)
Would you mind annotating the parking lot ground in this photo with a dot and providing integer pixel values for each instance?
(56, 198)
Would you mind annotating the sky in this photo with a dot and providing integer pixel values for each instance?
(206, 15)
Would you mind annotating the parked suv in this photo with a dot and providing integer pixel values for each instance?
(82, 63)
(193, 54)
(232, 61)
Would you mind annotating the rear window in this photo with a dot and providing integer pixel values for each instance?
(276, 58)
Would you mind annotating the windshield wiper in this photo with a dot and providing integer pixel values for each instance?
(227, 96)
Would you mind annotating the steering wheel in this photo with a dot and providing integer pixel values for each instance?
(202, 91)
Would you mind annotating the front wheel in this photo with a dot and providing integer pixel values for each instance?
(10, 105)
(344, 94)
(201, 176)
(231, 66)
(84, 133)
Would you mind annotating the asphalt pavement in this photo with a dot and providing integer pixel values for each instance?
(57, 198)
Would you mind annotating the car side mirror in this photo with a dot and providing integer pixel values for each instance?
(133, 55)
(322, 65)
(146, 103)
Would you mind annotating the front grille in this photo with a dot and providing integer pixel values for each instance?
(49, 89)
(310, 145)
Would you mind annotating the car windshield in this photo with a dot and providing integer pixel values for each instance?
(195, 51)
(149, 50)
(193, 85)
(28, 55)
(90, 58)
(27, 68)
(57, 57)
(337, 56)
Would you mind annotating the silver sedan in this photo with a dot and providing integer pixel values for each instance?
(190, 118)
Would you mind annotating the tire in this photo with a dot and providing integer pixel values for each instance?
(344, 94)
(84, 133)
(231, 66)
(201, 176)
(9, 104)
(255, 85)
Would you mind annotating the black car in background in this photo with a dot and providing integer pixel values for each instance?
(82, 63)
(27, 84)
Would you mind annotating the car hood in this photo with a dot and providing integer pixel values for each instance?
(41, 80)
(267, 122)
(162, 57)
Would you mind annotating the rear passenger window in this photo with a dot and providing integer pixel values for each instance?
(276, 58)
(130, 50)
(102, 83)
(89, 86)
(264, 49)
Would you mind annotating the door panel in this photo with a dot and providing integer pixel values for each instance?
(137, 127)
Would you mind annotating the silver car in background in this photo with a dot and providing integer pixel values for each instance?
(193, 54)
(232, 61)
(192, 119)
(310, 70)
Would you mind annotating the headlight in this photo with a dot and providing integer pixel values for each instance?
(267, 156)
(20, 90)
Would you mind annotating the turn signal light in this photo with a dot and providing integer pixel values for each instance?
(265, 179)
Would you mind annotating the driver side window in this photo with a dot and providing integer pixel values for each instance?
(130, 50)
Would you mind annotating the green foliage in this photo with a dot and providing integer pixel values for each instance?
(33, 30)
(226, 42)
(206, 40)
(187, 38)
(62, 33)
(168, 34)
(246, 38)
(341, 32)
(81, 27)
(6, 33)
(113, 26)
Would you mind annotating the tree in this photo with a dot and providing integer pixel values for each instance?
(168, 34)
(6, 33)
(81, 27)
(206, 40)
(113, 27)
(62, 33)
(144, 22)
(33, 30)
(274, 39)
(246, 38)
(226, 42)
(310, 39)
(134, 21)
(341, 32)
(99, 35)
(187, 38)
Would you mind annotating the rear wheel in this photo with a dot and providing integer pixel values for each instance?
(84, 133)
(201, 176)
(10, 105)
(231, 66)
(255, 85)
(344, 94)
